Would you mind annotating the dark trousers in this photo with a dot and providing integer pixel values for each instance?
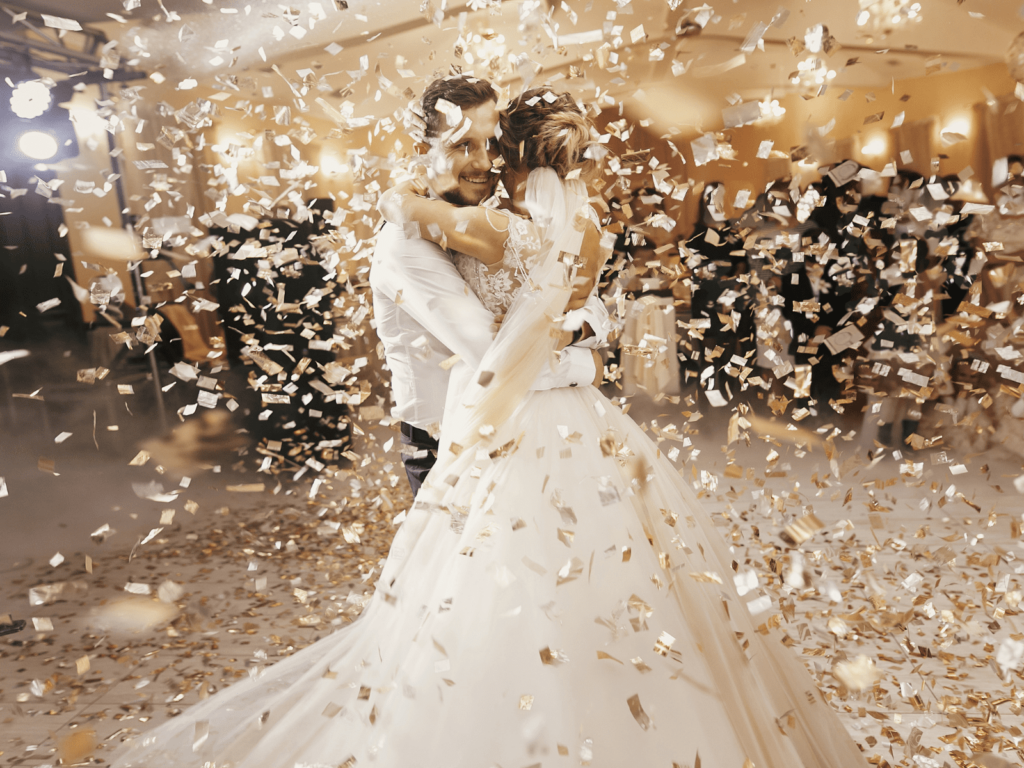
(421, 455)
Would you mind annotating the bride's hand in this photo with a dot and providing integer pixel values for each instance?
(392, 204)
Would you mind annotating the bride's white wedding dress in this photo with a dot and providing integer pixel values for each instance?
(556, 597)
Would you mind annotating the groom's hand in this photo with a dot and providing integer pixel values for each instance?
(568, 338)
(599, 366)
(413, 122)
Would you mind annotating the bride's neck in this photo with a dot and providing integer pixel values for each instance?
(518, 199)
(515, 185)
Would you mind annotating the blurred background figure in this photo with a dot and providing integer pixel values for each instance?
(721, 308)
(650, 272)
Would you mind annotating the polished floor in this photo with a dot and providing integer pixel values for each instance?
(147, 587)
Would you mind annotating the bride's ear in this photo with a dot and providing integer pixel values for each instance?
(420, 147)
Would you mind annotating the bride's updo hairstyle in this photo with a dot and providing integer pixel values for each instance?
(545, 129)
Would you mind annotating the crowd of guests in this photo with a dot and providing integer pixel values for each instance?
(859, 293)
(876, 301)
(283, 309)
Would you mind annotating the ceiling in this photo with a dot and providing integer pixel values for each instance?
(91, 11)
(202, 39)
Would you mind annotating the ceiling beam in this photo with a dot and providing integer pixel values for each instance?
(25, 44)
(37, 49)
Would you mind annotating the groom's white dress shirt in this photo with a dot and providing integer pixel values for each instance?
(424, 313)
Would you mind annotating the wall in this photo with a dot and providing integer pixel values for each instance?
(948, 97)
(92, 198)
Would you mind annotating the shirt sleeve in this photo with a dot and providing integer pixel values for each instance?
(421, 279)
(575, 368)
(424, 283)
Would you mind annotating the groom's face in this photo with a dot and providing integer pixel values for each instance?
(469, 159)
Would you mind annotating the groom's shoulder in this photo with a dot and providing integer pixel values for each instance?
(394, 242)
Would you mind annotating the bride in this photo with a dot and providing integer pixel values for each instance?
(556, 596)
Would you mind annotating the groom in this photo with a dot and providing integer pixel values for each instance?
(424, 312)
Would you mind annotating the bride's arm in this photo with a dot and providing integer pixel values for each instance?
(592, 260)
(482, 233)
(594, 253)
(473, 230)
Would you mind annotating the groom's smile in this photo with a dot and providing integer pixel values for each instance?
(472, 156)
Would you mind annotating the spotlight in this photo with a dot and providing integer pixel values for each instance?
(34, 127)
(30, 99)
(38, 145)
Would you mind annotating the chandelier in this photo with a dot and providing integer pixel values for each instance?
(771, 111)
(485, 49)
(883, 17)
(812, 75)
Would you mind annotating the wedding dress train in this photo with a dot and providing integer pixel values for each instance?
(556, 597)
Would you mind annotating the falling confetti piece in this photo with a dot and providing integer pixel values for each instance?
(638, 713)
(77, 747)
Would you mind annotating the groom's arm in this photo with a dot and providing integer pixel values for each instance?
(421, 279)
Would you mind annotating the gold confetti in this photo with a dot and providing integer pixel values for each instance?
(664, 644)
(140, 458)
(858, 674)
(799, 531)
(448, 363)
(638, 712)
(331, 709)
(77, 746)
(570, 571)
(552, 657)
(640, 664)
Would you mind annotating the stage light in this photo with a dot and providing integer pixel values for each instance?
(38, 145)
(30, 99)
(34, 126)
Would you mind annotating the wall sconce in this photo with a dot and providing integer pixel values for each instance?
(955, 131)
(333, 164)
(875, 146)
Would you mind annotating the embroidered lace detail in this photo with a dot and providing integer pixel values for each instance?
(497, 286)
(521, 247)
(496, 290)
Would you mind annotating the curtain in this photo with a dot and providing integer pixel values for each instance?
(1000, 133)
(918, 138)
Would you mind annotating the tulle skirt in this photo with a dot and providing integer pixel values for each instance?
(561, 601)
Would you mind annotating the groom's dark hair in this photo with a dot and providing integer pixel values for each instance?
(462, 90)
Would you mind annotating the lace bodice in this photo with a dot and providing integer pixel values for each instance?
(497, 285)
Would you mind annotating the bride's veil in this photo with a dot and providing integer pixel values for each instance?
(528, 336)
